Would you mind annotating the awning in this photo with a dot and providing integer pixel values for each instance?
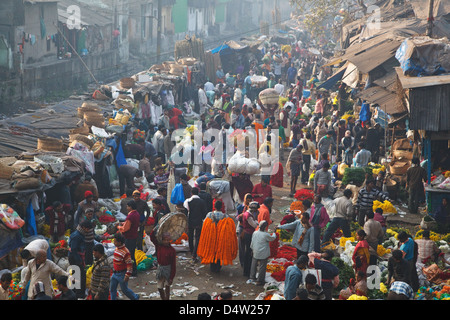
(331, 81)
(387, 100)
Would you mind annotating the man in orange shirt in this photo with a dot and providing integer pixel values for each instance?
(264, 211)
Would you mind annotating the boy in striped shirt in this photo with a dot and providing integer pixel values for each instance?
(122, 269)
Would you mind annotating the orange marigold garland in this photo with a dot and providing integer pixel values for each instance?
(207, 242)
(210, 249)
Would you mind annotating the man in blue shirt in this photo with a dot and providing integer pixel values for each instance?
(330, 273)
(291, 74)
(410, 252)
(294, 277)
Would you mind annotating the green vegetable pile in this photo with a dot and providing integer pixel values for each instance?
(346, 273)
(354, 175)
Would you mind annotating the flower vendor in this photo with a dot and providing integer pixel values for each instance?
(361, 255)
(303, 238)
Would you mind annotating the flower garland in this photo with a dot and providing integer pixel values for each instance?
(210, 249)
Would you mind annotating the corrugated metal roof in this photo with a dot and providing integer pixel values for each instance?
(430, 108)
(417, 82)
(387, 100)
(367, 60)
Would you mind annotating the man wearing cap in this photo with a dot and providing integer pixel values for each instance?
(260, 245)
(88, 202)
(144, 212)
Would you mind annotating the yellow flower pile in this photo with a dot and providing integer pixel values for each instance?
(392, 233)
(45, 231)
(381, 251)
(356, 297)
(433, 235)
(383, 287)
(377, 170)
(139, 256)
(343, 240)
(386, 206)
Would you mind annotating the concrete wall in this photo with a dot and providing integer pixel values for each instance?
(41, 79)
(35, 48)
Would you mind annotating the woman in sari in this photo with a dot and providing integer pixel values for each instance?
(248, 198)
(361, 255)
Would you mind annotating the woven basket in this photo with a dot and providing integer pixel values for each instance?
(94, 119)
(50, 144)
(399, 167)
(127, 83)
(85, 107)
(402, 154)
(82, 138)
(401, 144)
(80, 130)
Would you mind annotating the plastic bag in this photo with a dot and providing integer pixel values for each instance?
(445, 184)
(177, 195)
(10, 217)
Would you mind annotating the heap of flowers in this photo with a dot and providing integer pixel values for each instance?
(304, 194)
(387, 206)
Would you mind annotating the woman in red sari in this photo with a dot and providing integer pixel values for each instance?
(361, 255)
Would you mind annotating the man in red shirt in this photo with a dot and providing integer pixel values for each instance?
(262, 190)
(122, 269)
(166, 257)
(129, 229)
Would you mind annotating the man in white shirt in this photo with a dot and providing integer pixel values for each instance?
(209, 86)
(260, 246)
(237, 97)
(279, 87)
(202, 99)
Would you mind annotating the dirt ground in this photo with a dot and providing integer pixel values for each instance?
(194, 278)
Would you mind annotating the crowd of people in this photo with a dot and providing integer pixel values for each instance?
(312, 138)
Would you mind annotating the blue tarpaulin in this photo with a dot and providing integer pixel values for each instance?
(330, 82)
(222, 49)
